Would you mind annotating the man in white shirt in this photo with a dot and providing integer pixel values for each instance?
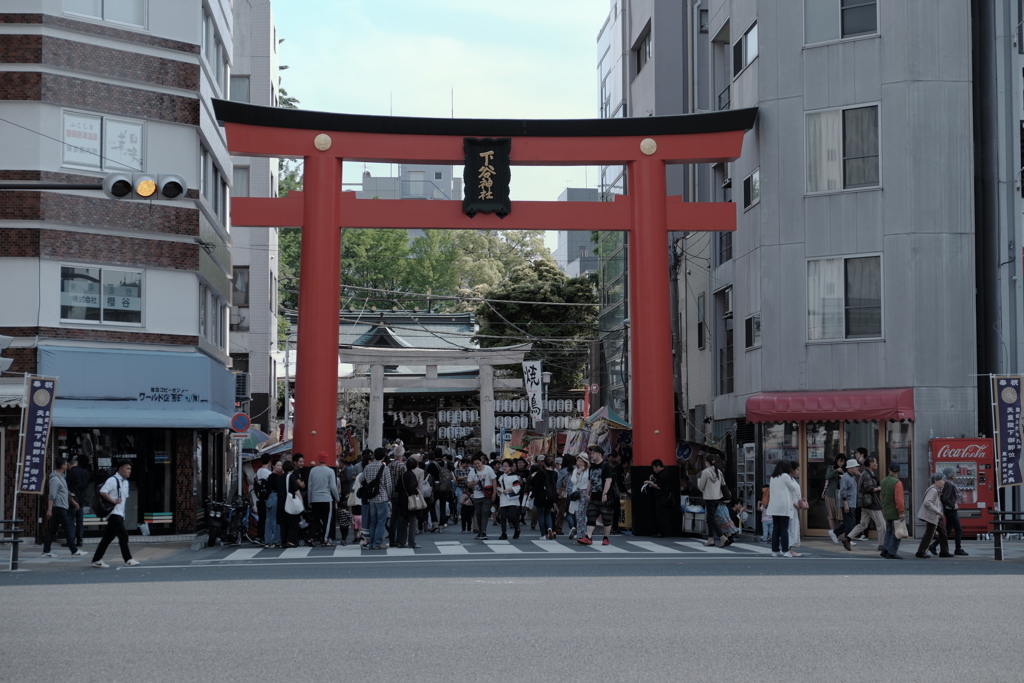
(509, 486)
(115, 491)
(480, 481)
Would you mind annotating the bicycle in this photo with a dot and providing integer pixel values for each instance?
(243, 522)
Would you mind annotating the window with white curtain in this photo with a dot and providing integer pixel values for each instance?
(842, 149)
(844, 298)
(130, 12)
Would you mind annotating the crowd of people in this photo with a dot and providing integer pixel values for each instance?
(388, 497)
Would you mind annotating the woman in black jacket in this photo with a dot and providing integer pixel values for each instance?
(407, 485)
(288, 484)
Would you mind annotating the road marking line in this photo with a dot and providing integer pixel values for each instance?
(697, 545)
(553, 547)
(452, 550)
(753, 548)
(653, 547)
(293, 553)
(502, 547)
(244, 554)
(608, 548)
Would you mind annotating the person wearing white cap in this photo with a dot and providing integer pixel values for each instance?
(847, 503)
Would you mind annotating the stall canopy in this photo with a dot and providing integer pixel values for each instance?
(818, 406)
(606, 413)
(12, 395)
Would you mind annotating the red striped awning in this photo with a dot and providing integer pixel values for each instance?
(818, 406)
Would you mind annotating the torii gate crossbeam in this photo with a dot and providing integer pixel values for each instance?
(644, 145)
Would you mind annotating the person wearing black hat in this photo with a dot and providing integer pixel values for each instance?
(892, 510)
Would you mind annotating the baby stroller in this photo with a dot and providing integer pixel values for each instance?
(311, 531)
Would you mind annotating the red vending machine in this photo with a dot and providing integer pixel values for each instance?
(974, 462)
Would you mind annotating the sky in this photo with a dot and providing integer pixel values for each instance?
(529, 59)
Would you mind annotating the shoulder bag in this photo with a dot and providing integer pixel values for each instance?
(415, 501)
(293, 503)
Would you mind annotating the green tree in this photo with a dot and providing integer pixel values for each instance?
(525, 306)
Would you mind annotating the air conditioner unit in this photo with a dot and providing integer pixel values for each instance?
(236, 317)
(242, 386)
(728, 173)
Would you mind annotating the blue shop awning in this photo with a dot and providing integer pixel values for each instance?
(138, 389)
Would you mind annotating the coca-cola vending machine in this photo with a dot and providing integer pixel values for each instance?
(974, 462)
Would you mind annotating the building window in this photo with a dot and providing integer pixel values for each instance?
(239, 89)
(101, 295)
(212, 185)
(752, 331)
(842, 149)
(744, 51)
(240, 286)
(724, 341)
(703, 18)
(102, 142)
(834, 19)
(214, 52)
(844, 298)
(438, 175)
(701, 322)
(643, 52)
(752, 189)
(240, 181)
(130, 12)
(724, 247)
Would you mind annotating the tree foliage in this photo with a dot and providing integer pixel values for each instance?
(524, 306)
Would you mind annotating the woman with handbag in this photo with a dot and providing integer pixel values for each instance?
(710, 483)
(579, 493)
(408, 502)
(288, 488)
(784, 497)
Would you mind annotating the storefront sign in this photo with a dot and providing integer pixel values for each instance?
(1006, 425)
(37, 419)
(532, 380)
(486, 176)
(81, 139)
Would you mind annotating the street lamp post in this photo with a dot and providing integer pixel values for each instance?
(287, 389)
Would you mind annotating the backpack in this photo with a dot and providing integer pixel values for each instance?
(550, 492)
(444, 480)
(371, 489)
(262, 490)
(101, 507)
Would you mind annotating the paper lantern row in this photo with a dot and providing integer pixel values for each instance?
(457, 416)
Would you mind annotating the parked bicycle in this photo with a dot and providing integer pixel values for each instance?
(233, 522)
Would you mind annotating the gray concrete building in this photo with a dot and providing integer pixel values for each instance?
(575, 251)
(877, 192)
(254, 258)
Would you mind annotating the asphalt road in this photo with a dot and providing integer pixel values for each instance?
(558, 617)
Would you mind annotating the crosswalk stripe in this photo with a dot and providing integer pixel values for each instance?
(243, 554)
(347, 551)
(553, 547)
(400, 552)
(753, 548)
(653, 547)
(502, 547)
(700, 546)
(608, 548)
(293, 553)
(450, 549)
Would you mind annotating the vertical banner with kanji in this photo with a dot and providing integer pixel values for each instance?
(1006, 414)
(37, 420)
(532, 380)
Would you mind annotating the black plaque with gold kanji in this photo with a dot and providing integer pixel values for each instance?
(486, 176)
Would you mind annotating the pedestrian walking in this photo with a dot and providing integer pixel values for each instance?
(832, 476)
(784, 493)
(377, 479)
(892, 510)
(509, 487)
(710, 483)
(870, 503)
(601, 490)
(323, 496)
(57, 513)
(262, 493)
(661, 497)
(288, 484)
(480, 480)
(848, 504)
(930, 513)
(272, 529)
(950, 498)
(78, 478)
(578, 495)
(115, 491)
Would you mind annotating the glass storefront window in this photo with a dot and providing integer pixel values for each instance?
(822, 448)
(780, 442)
(899, 440)
(861, 435)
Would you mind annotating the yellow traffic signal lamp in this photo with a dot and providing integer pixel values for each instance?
(144, 186)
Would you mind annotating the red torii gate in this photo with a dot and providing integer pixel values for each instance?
(643, 145)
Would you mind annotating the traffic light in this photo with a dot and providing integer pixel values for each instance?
(144, 186)
(5, 341)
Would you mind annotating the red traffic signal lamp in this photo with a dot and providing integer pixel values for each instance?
(144, 186)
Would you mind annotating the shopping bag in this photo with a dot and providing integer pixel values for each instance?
(899, 529)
